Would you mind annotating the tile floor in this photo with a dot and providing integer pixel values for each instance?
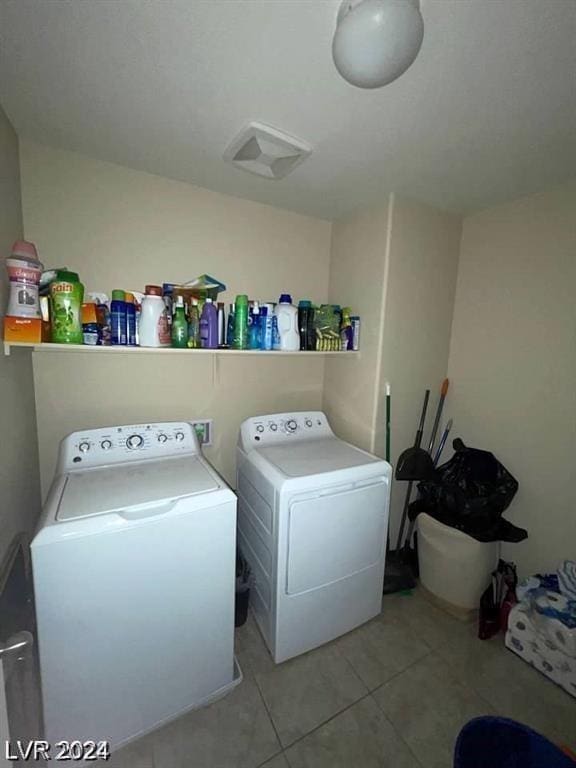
(392, 694)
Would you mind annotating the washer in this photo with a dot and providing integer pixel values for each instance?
(312, 521)
(134, 572)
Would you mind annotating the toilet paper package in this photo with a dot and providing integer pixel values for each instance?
(529, 636)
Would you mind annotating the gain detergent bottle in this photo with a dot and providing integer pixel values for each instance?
(66, 296)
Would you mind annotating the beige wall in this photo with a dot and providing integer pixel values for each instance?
(397, 265)
(19, 487)
(357, 272)
(513, 361)
(423, 264)
(122, 229)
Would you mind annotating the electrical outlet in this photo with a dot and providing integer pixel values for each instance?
(203, 429)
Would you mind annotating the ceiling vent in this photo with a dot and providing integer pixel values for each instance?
(266, 151)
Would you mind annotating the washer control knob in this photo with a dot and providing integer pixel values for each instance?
(260, 428)
(134, 441)
(106, 445)
(291, 425)
(162, 437)
(308, 422)
(179, 436)
(273, 426)
(84, 446)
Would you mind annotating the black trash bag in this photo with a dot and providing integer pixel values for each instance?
(470, 492)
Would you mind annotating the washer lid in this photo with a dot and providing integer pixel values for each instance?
(111, 489)
(313, 457)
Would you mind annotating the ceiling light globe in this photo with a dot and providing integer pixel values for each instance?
(376, 40)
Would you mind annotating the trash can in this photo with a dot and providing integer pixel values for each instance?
(501, 743)
(453, 566)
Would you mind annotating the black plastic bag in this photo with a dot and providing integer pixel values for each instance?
(470, 492)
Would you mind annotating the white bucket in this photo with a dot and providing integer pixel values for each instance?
(453, 566)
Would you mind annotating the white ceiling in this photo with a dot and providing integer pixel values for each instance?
(486, 113)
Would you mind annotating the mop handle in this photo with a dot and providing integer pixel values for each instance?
(388, 422)
(442, 442)
(443, 393)
(420, 430)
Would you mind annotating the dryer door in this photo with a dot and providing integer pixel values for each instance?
(335, 534)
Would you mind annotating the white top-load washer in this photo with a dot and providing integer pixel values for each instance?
(312, 522)
(134, 573)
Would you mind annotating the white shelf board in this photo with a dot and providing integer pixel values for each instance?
(118, 350)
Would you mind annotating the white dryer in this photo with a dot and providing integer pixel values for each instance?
(134, 572)
(312, 522)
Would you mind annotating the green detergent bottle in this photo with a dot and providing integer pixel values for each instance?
(179, 325)
(241, 322)
(66, 297)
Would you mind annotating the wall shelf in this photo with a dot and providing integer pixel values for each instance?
(69, 348)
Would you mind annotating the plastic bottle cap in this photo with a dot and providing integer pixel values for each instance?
(153, 290)
(64, 276)
(285, 298)
(304, 304)
(179, 301)
(25, 250)
(256, 308)
(129, 298)
(242, 299)
(118, 295)
(208, 300)
(194, 302)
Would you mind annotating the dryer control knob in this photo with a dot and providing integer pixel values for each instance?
(134, 441)
(308, 422)
(106, 445)
(291, 425)
(162, 437)
(260, 428)
(273, 426)
(179, 436)
(84, 446)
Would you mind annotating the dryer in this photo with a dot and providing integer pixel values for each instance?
(312, 523)
(134, 570)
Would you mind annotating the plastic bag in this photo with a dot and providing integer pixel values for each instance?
(470, 492)
(497, 600)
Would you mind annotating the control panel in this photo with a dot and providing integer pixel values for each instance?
(283, 427)
(132, 442)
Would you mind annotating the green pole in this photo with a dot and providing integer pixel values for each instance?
(388, 421)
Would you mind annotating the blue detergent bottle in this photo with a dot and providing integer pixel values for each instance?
(118, 330)
(255, 329)
(267, 326)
